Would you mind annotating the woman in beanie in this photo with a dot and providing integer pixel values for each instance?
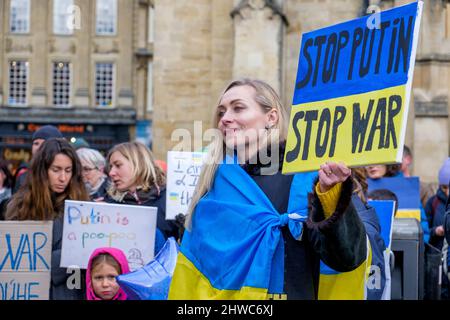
(39, 137)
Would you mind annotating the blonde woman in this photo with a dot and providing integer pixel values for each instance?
(251, 231)
(136, 180)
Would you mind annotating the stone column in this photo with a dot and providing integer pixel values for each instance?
(258, 34)
(39, 63)
(82, 71)
(3, 73)
(125, 19)
(182, 69)
(430, 89)
(221, 50)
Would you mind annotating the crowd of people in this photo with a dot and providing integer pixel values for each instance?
(287, 223)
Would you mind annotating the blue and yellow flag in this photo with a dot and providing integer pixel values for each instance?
(407, 190)
(235, 249)
(334, 285)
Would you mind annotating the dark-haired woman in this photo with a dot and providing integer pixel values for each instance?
(55, 176)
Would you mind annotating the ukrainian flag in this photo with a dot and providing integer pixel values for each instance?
(407, 190)
(334, 285)
(235, 249)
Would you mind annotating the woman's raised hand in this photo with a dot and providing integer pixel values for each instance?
(332, 173)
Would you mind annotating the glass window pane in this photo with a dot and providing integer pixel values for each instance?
(18, 78)
(104, 84)
(19, 20)
(62, 16)
(61, 84)
(106, 17)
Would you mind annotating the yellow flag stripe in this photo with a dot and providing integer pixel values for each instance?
(188, 283)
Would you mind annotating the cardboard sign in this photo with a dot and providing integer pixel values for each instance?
(385, 210)
(183, 171)
(352, 91)
(25, 260)
(91, 225)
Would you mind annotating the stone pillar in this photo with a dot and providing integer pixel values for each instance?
(125, 59)
(258, 35)
(221, 50)
(182, 69)
(3, 73)
(430, 89)
(431, 142)
(143, 54)
(39, 63)
(82, 71)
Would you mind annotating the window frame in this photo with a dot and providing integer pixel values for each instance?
(10, 80)
(115, 17)
(26, 17)
(54, 64)
(113, 84)
(66, 14)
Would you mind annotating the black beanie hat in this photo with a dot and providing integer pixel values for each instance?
(47, 132)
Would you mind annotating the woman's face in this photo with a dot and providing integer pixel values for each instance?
(376, 171)
(90, 173)
(60, 173)
(103, 279)
(121, 172)
(241, 119)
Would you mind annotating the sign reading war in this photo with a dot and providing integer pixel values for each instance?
(352, 91)
(25, 260)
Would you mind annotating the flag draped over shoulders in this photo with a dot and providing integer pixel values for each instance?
(235, 249)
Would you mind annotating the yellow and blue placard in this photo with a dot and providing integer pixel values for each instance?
(352, 91)
(407, 190)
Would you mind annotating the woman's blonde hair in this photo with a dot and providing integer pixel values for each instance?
(268, 99)
(146, 173)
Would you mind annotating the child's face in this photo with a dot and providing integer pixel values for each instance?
(104, 283)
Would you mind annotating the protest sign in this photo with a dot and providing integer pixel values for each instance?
(91, 225)
(385, 210)
(25, 260)
(183, 171)
(407, 190)
(352, 91)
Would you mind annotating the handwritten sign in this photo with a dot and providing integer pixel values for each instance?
(352, 91)
(91, 225)
(183, 171)
(25, 260)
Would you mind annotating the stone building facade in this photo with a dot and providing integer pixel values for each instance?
(201, 45)
(172, 58)
(79, 64)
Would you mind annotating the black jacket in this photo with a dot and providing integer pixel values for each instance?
(64, 286)
(340, 240)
